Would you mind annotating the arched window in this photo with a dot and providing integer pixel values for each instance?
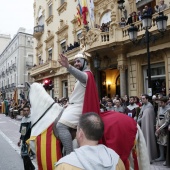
(106, 18)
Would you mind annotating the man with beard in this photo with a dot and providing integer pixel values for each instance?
(83, 99)
(132, 109)
(161, 127)
(146, 119)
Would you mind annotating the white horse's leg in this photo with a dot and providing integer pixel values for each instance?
(131, 161)
(143, 157)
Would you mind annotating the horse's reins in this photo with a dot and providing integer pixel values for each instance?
(42, 115)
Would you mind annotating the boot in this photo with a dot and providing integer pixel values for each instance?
(161, 150)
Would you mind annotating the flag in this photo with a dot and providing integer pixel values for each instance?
(48, 149)
(92, 10)
(84, 11)
(79, 13)
(80, 8)
(15, 98)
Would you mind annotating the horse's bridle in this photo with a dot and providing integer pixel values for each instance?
(43, 115)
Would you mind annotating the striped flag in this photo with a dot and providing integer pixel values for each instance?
(84, 11)
(79, 13)
(15, 98)
(80, 8)
(48, 149)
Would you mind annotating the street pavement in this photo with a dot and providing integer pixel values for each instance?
(10, 158)
(9, 136)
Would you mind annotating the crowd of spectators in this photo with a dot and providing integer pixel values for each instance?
(136, 16)
(13, 108)
(72, 46)
(104, 27)
(151, 112)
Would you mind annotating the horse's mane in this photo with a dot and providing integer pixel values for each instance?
(40, 100)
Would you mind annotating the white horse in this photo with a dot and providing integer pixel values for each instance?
(44, 113)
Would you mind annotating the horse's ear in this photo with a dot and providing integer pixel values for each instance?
(27, 85)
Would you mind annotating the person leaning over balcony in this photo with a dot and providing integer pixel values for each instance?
(90, 155)
(122, 23)
(162, 6)
(129, 20)
(147, 10)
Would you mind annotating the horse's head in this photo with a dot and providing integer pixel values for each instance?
(40, 100)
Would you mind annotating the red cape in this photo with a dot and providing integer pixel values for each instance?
(119, 133)
(91, 99)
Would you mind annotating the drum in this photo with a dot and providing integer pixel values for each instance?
(15, 112)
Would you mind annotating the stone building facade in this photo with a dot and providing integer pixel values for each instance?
(123, 65)
(15, 62)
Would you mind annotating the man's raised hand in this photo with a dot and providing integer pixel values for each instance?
(63, 60)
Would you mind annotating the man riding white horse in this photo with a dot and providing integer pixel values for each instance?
(83, 99)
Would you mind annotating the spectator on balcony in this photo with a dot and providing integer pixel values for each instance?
(139, 16)
(105, 27)
(156, 8)
(76, 44)
(129, 20)
(122, 23)
(147, 10)
(68, 49)
(71, 46)
(162, 6)
(134, 17)
(102, 28)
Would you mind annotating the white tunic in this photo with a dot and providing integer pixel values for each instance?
(72, 113)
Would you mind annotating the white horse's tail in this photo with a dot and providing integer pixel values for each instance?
(143, 157)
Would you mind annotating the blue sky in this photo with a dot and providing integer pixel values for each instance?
(15, 14)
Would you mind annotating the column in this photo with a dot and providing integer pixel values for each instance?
(122, 66)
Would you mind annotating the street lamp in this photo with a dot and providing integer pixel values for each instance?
(120, 4)
(161, 21)
(133, 30)
(96, 61)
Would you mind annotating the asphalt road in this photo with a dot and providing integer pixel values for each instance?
(9, 158)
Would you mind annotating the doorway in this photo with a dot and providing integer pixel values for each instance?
(110, 82)
(158, 79)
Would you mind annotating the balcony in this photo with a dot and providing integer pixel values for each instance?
(7, 71)
(95, 39)
(29, 65)
(38, 31)
(13, 85)
(14, 66)
(44, 68)
(3, 74)
(10, 69)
